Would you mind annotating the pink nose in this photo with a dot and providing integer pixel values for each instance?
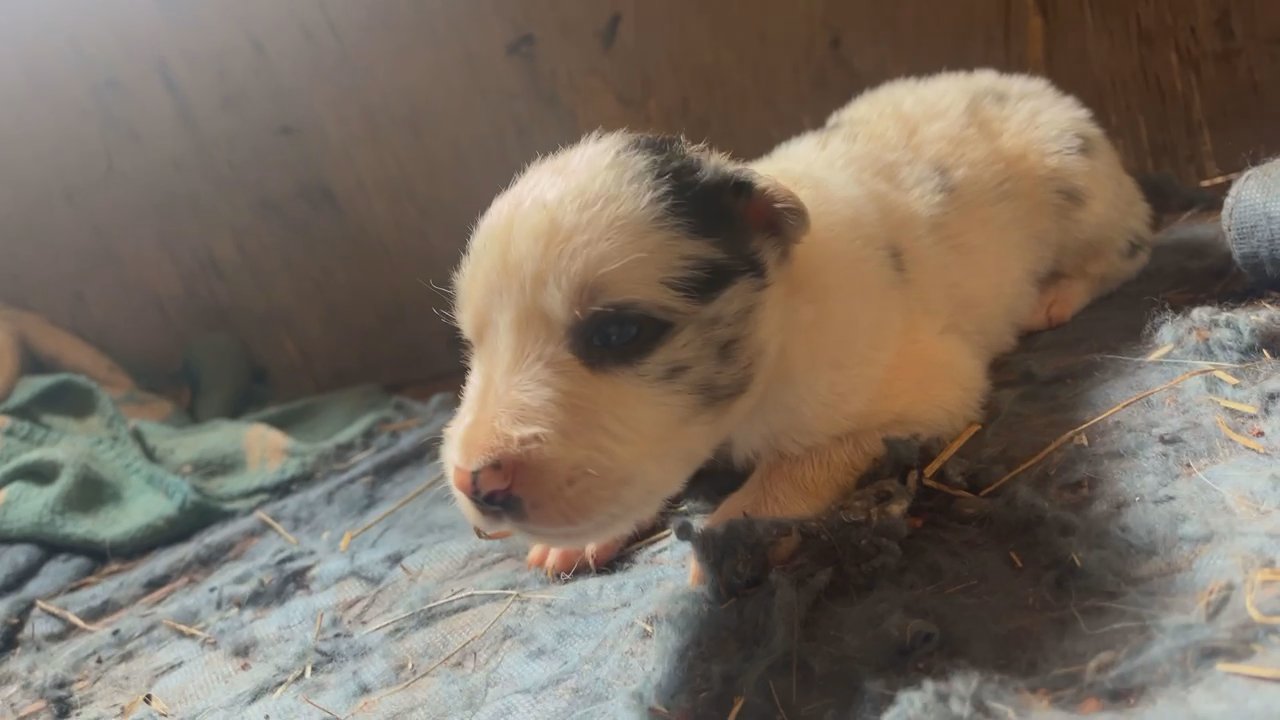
(490, 488)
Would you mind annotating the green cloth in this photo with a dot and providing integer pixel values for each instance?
(77, 474)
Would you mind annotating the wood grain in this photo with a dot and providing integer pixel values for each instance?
(298, 171)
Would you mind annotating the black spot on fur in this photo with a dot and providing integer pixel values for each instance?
(706, 279)
(716, 393)
(727, 351)
(897, 260)
(522, 46)
(674, 373)
(1070, 195)
(1080, 144)
(609, 33)
(943, 181)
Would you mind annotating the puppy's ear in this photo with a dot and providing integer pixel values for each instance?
(719, 200)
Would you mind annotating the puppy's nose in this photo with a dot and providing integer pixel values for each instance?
(490, 487)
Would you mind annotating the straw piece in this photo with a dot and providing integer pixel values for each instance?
(416, 678)
(1221, 179)
(1160, 352)
(1066, 437)
(350, 535)
(189, 631)
(1238, 438)
(321, 708)
(1257, 672)
(1233, 405)
(1226, 377)
(1260, 577)
(951, 449)
(271, 523)
(66, 616)
(737, 707)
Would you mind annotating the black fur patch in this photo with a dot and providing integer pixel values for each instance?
(706, 202)
(706, 279)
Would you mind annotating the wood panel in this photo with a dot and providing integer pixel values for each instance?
(298, 171)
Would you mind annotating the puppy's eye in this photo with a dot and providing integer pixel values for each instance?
(615, 332)
(614, 337)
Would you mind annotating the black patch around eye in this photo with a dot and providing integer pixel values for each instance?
(616, 337)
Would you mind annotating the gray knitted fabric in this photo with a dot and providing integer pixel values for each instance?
(1251, 223)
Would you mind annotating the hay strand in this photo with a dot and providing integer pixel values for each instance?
(1233, 405)
(1226, 377)
(455, 598)
(459, 648)
(1238, 438)
(66, 616)
(350, 535)
(737, 707)
(951, 449)
(321, 708)
(1066, 437)
(777, 703)
(1159, 352)
(189, 631)
(271, 523)
(1257, 672)
(1263, 576)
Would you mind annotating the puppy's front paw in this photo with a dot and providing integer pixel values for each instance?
(564, 563)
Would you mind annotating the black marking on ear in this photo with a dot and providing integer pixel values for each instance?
(897, 259)
(700, 197)
(705, 280)
(1070, 195)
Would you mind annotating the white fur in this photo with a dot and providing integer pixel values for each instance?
(963, 172)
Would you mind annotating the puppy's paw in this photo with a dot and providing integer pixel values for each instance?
(564, 563)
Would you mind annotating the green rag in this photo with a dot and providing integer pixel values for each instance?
(77, 474)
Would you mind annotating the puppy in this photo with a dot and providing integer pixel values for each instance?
(634, 303)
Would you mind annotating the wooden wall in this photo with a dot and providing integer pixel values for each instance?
(295, 170)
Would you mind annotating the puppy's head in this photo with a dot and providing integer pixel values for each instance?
(610, 299)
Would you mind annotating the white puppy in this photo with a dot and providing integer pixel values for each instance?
(635, 303)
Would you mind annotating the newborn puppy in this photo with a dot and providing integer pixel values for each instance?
(634, 303)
